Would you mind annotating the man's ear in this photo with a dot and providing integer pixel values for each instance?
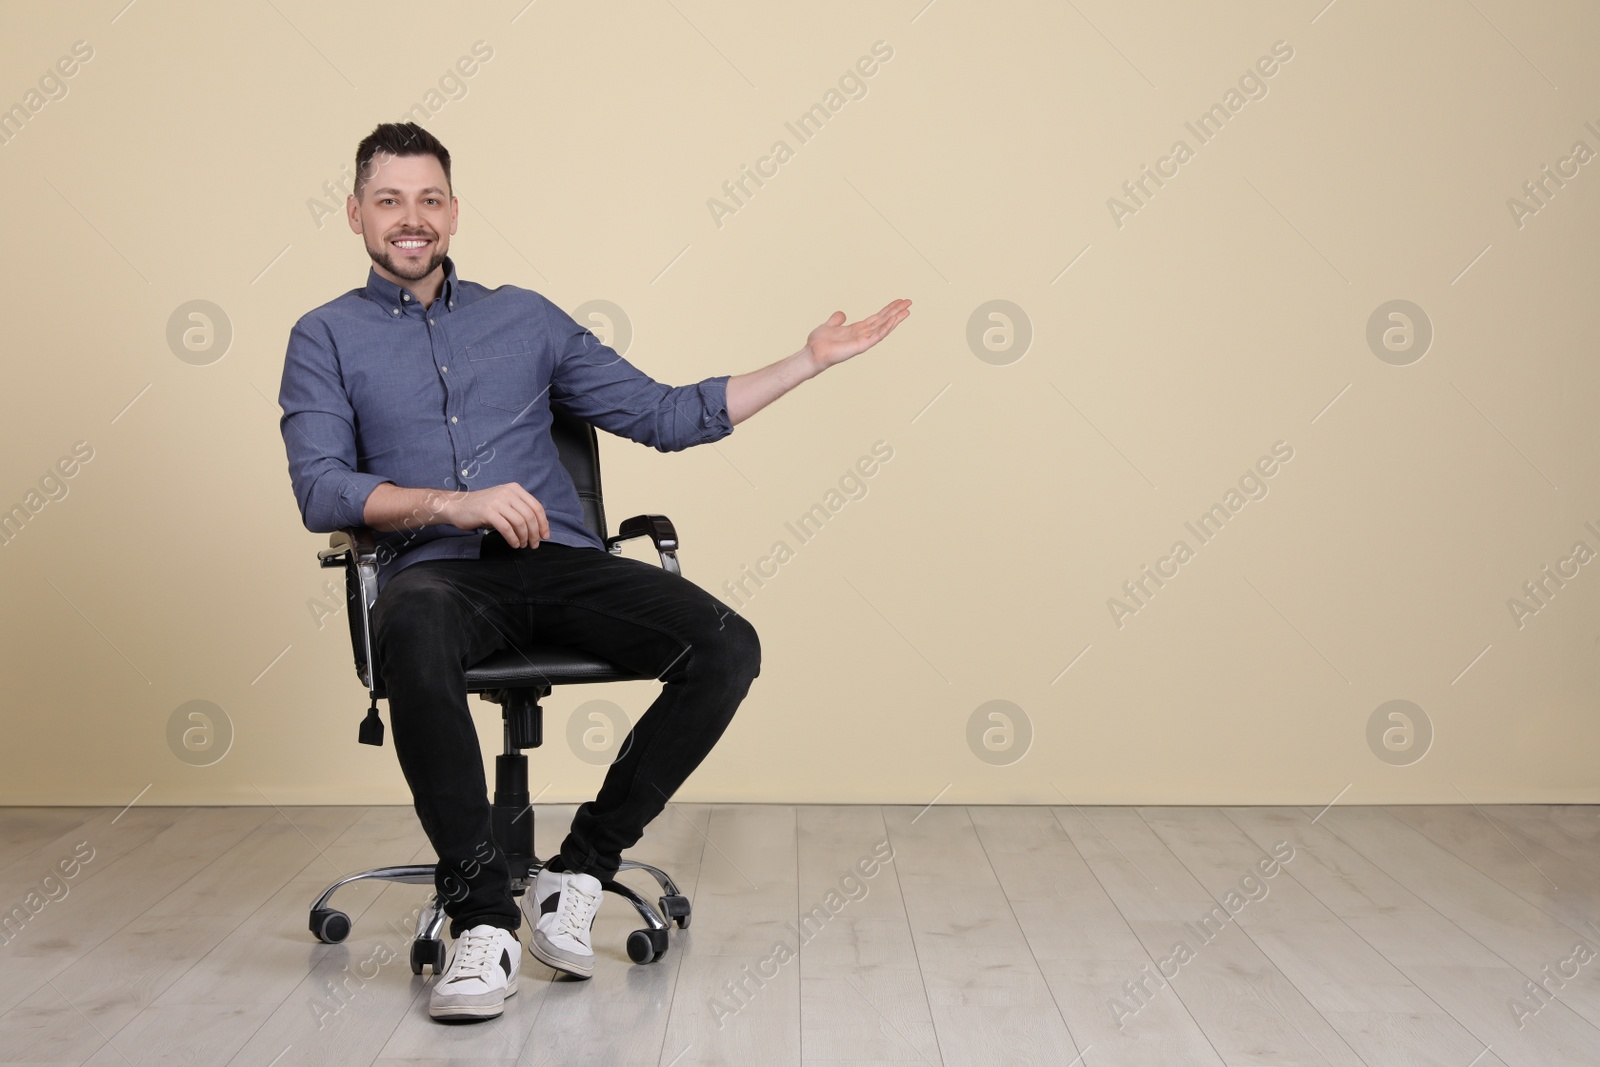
(455, 213)
(352, 213)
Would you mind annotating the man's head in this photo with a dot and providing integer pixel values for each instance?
(403, 205)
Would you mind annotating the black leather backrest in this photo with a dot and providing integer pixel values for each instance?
(579, 449)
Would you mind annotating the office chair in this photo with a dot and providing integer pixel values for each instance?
(516, 679)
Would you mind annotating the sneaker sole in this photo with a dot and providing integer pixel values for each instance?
(557, 964)
(472, 1012)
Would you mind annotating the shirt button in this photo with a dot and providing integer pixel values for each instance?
(396, 311)
(430, 322)
(463, 474)
(445, 370)
(452, 418)
(405, 296)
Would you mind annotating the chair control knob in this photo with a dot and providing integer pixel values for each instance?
(525, 722)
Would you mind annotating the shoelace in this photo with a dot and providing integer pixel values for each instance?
(475, 955)
(577, 908)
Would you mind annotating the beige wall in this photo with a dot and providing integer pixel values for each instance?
(1226, 314)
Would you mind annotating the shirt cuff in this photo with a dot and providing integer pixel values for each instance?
(353, 494)
(715, 423)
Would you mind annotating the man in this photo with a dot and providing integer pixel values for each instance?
(419, 405)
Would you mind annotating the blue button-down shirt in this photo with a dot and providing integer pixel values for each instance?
(376, 388)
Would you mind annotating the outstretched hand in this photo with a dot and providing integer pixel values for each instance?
(834, 342)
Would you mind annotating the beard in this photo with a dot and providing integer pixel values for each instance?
(410, 269)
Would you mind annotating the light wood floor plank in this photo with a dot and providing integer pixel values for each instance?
(1456, 970)
(198, 947)
(861, 991)
(180, 1033)
(1083, 946)
(26, 832)
(1577, 826)
(1093, 1000)
(1325, 959)
(100, 841)
(1363, 996)
(268, 954)
(1385, 913)
(1546, 824)
(737, 1001)
(1525, 936)
(1061, 905)
(124, 888)
(990, 1001)
(1141, 876)
(1246, 1007)
(1566, 890)
(1426, 1039)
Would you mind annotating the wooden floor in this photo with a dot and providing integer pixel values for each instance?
(994, 935)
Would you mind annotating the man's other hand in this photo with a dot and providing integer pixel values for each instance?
(834, 342)
(508, 508)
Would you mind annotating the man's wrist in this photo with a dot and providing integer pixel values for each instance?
(442, 503)
(810, 361)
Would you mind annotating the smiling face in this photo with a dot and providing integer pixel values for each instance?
(405, 214)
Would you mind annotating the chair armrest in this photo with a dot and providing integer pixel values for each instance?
(661, 533)
(341, 543)
(355, 548)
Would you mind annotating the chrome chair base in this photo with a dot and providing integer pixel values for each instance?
(646, 945)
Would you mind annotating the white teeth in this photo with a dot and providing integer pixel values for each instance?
(418, 243)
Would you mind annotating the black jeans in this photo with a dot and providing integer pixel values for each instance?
(437, 617)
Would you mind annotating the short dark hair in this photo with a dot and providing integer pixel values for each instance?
(399, 139)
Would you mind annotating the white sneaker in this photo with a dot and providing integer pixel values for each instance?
(482, 973)
(562, 907)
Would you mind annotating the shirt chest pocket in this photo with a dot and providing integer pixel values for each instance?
(504, 374)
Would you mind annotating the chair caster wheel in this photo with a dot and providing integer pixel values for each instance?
(647, 946)
(676, 909)
(330, 926)
(427, 952)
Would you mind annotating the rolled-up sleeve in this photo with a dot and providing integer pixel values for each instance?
(593, 382)
(318, 427)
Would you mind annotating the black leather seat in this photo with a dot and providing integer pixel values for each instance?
(553, 663)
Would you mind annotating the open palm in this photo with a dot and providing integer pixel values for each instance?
(834, 342)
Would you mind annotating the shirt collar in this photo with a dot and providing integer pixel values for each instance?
(388, 294)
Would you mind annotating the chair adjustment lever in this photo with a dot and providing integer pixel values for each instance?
(372, 726)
